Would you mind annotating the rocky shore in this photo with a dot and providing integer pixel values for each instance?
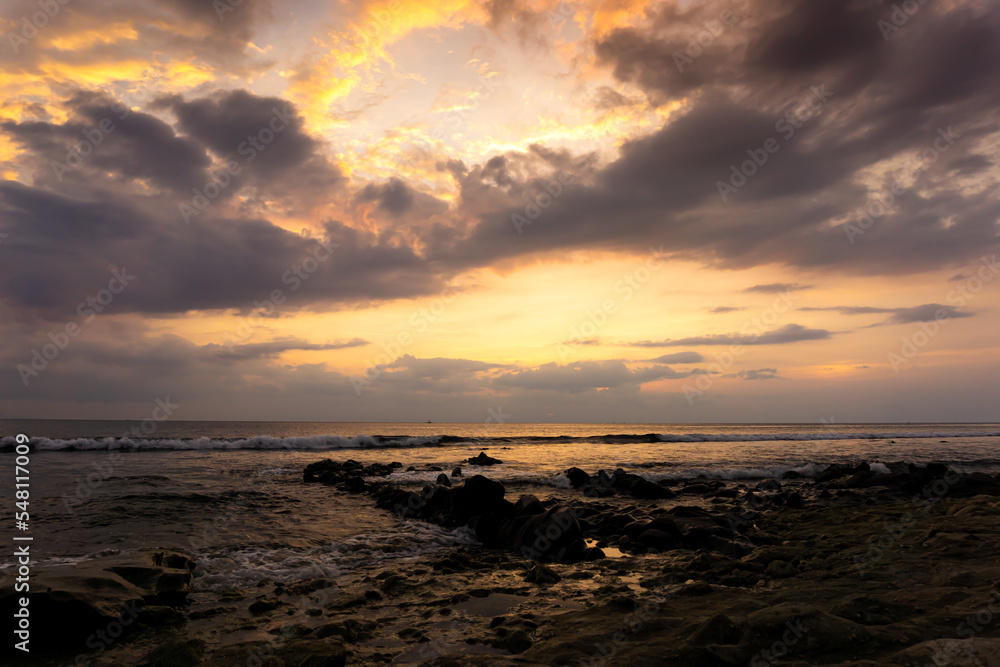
(884, 564)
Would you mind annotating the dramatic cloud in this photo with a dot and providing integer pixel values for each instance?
(257, 199)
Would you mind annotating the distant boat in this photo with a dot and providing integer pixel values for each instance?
(429, 421)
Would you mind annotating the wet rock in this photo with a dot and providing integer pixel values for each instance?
(810, 629)
(69, 605)
(865, 610)
(516, 642)
(528, 504)
(780, 569)
(718, 629)
(549, 535)
(313, 653)
(264, 605)
(688, 511)
(457, 472)
(175, 653)
(443, 480)
(542, 575)
(980, 651)
(974, 484)
(484, 460)
(794, 500)
(577, 478)
(659, 539)
(637, 528)
(348, 474)
(352, 630)
(244, 653)
(478, 495)
(159, 616)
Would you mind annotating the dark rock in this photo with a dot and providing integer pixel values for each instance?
(354, 484)
(544, 536)
(528, 504)
(351, 630)
(484, 460)
(814, 631)
(457, 472)
(768, 485)
(780, 569)
(175, 653)
(244, 653)
(577, 478)
(646, 490)
(688, 511)
(443, 480)
(478, 495)
(636, 528)
(312, 653)
(658, 539)
(542, 575)
(974, 484)
(264, 605)
(795, 500)
(719, 629)
(517, 641)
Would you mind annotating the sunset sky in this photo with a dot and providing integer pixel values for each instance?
(680, 211)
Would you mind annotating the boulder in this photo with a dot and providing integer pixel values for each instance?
(484, 460)
(69, 606)
(577, 478)
(809, 629)
(546, 536)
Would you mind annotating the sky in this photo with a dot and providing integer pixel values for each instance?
(516, 210)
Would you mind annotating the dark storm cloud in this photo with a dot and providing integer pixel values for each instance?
(61, 250)
(264, 134)
(106, 136)
(397, 199)
(888, 98)
(118, 208)
(939, 76)
(395, 196)
(790, 333)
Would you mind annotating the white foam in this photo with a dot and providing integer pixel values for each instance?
(227, 568)
(263, 442)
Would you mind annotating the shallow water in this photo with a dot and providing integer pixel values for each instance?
(235, 500)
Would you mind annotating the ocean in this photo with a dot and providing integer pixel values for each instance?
(231, 496)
